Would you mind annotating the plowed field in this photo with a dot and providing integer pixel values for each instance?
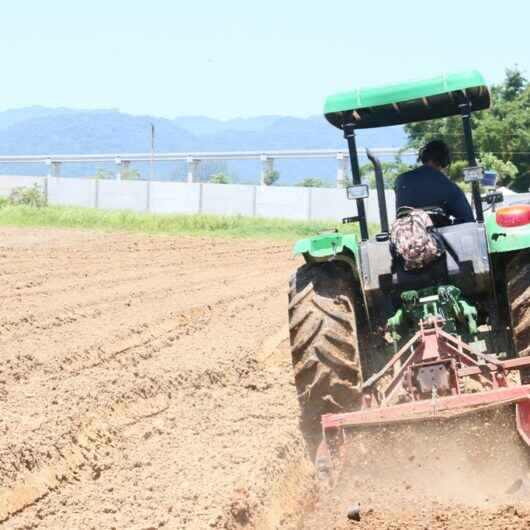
(140, 381)
(145, 383)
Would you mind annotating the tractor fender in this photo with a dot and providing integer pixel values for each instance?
(502, 239)
(329, 247)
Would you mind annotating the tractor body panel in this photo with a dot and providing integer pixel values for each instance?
(503, 239)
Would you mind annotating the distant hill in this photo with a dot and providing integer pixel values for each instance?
(42, 130)
(13, 116)
(202, 125)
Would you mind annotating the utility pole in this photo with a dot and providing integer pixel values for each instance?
(152, 162)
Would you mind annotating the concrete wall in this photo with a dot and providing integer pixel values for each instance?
(330, 203)
(122, 195)
(72, 192)
(228, 199)
(289, 203)
(174, 197)
(224, 199)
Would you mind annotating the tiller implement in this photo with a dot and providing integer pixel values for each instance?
(434, 376)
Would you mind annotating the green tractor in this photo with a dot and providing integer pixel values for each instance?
(373, 343)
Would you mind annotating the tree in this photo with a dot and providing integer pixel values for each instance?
(312, 182)
(391, 171)
(501, 134)
(270, 177)
(220, 178)
(506, 171)
(514, 83)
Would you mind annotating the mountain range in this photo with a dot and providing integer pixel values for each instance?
(44, 130)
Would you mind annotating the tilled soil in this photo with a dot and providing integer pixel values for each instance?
(465, 473)
(145, 382)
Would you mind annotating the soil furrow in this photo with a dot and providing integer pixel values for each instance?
(131, 383)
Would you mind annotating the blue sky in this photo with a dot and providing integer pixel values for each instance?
(228, 58)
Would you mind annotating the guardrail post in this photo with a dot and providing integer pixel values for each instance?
(193, 165)
(55, 168)
(267, 167)
(124, 168)
(342, 169)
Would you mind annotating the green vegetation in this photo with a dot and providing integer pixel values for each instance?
(502, 134)
(312, 182)
(28, 196)
(128, 221)
(130, 173)
(391, 171)
(271, 177)
(220, 178)
(103, 174)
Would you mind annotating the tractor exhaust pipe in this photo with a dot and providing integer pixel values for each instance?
(380, 186)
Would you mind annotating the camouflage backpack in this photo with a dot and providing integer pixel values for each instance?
(413, 241)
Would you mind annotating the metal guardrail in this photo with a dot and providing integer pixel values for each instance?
(193, 159)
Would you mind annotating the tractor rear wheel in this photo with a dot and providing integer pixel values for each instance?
(518, 290)
(324, 346)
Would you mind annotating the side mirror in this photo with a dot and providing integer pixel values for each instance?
(360, 191)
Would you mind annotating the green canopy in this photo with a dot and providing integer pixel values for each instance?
(427, 99)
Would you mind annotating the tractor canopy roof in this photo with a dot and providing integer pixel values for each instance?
(408, 102)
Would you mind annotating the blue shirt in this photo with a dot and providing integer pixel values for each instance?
(425, 186)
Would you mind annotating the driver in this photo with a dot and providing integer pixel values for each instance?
(428, 186)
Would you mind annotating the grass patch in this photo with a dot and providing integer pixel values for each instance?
(128, 221)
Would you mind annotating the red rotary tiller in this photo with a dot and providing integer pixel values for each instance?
(429, 378)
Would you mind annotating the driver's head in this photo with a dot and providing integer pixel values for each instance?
(435, 154)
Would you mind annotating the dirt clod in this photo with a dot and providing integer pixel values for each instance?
(354, 512)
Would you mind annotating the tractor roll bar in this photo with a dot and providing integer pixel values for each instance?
(465, 111)
(348, 128)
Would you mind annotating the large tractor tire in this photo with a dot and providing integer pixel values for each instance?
(518, 290)
(324, 346)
